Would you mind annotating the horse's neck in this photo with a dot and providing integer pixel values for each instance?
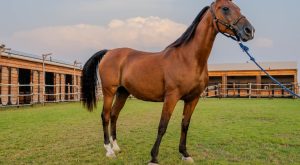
(199, 48)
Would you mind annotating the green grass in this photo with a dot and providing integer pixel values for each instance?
(227, 131)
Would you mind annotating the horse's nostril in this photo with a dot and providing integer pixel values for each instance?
(247, 30)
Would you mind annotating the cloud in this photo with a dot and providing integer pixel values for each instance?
(146, 33)
(264, 42)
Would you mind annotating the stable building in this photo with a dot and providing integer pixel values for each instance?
(27, 79)
(246, 80)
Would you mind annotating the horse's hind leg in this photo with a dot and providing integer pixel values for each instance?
(121, 97)
(108, 96)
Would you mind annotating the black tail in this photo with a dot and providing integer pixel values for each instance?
(90, 79)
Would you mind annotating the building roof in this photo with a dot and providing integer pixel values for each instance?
(252, 66)
(211, 67)
(36, 58)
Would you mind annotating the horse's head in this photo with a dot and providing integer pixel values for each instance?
(229, 21)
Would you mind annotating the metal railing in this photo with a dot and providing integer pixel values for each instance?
(14, 95)
(250, 90)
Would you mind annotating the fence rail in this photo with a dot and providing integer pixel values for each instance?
(250, 90)
(29, 94)
(13, 95)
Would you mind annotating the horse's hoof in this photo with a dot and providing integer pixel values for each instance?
(116, 149)
(109, 151)
(153, 163)
(188, 160)
(115, 146)
(111, 155)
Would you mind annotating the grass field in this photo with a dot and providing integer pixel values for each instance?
(227, 131)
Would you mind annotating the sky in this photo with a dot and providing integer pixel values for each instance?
(76, 29)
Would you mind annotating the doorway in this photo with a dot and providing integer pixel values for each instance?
(49, 89)
(24, 77)
(69, 87)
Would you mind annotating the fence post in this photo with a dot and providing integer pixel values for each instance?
(270, 91)
(216, 90)
(297, 89)
(233, 89)
(43, 94)
(18, 94)
(31, 94)
(78, 92)
(295, 86)
(250, 90)
(219, 90)
(56, 92)
(69, 91)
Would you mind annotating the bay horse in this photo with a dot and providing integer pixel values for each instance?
(179, 72)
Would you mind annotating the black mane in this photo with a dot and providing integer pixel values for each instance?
(190, 32)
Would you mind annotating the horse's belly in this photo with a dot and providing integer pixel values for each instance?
(145, 86)
(146, 91)
(146, 97)
(146, 94)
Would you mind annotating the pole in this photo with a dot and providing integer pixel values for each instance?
(43, 81)
(44, 76)
(77, 89)
(3, 49)
(75, 62)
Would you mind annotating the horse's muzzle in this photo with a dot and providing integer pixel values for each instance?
(246, 33)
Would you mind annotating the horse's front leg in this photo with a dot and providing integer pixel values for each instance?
(189, 107)
(168, 108)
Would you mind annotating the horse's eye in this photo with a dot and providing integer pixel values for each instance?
(225, 9)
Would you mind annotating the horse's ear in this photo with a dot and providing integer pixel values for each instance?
(221, 0)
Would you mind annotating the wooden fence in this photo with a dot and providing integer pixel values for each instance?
(250, 90)
(12, 95)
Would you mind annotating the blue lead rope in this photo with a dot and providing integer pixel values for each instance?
(246, 50)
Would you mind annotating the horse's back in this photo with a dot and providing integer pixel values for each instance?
(141, 73)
